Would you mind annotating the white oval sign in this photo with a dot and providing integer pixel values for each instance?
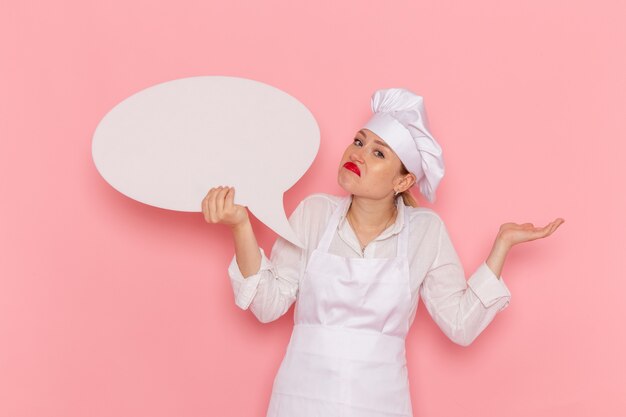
(167, 145)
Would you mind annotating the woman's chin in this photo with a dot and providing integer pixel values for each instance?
(342, 184)
(346, 183)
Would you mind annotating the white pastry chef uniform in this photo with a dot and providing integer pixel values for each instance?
(346, 356)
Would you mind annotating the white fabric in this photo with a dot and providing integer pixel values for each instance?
(399, 139)
(462, 309)
(400, 120)
(346, 355)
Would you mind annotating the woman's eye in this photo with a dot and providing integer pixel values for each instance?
(379, 154)
(358, 142)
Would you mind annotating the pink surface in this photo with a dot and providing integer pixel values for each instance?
(113, 308)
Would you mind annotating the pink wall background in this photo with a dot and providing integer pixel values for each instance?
(109, 307)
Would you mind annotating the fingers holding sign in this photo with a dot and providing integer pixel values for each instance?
(219, 207)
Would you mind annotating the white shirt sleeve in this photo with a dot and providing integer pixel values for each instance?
(270, 292)
(462, 309)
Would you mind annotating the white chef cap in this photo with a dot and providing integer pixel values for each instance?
(400, 120)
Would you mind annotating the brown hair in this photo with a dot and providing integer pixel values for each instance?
(408, 198)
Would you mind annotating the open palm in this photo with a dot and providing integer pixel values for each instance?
(513, 233)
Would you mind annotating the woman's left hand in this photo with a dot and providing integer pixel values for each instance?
(512, 233)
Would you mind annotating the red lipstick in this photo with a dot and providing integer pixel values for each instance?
(352, 167)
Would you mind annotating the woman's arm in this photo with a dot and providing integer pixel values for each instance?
(267, 287)
(247, 250)
(273, 289)
(219, 207)
(463, 309)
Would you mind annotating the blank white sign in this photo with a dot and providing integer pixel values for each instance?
(167, 145)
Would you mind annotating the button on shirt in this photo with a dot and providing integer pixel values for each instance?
(461, 308)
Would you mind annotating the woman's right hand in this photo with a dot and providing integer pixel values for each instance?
(218, 207)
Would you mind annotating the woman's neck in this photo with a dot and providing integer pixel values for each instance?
(370, 214)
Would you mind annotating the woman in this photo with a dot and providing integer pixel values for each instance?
(367, 260)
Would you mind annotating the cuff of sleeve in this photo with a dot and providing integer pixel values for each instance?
(487, 287)
(246, 288)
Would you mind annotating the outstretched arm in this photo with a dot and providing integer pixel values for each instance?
(463, 309)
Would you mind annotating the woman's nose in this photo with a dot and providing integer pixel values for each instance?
(357, 155)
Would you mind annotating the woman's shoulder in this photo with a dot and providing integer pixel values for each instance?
(319, 204)
(311, 215)
(322, 200)
(316, 207)
(423, 215)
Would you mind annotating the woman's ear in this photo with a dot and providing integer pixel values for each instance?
(406, 182)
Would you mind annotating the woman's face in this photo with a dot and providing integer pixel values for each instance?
(369, 168)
